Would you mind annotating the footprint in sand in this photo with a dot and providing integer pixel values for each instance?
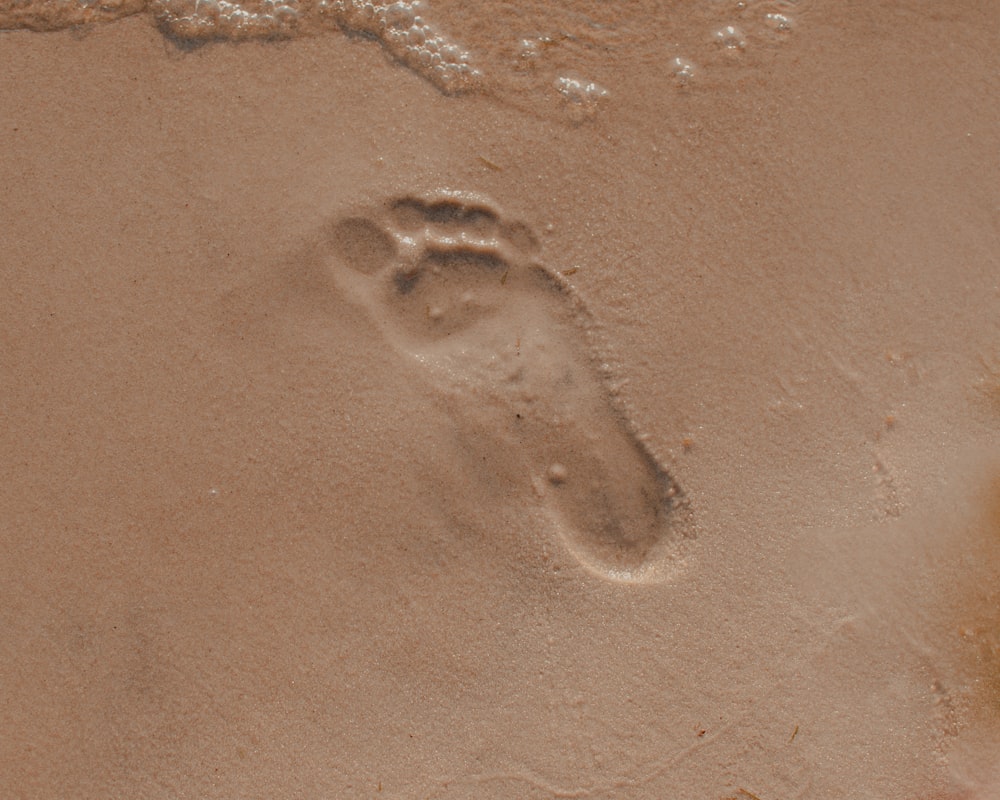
(507, 344)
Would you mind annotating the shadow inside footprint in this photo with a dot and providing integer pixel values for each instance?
(454, 285)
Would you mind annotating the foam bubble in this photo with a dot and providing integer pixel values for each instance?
(779, 22)
(683, 71)
(731, 38)
(528, 52)
(583, 97)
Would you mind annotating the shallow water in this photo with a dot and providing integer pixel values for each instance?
(533, 43)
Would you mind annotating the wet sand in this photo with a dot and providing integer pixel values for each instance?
(362, 439)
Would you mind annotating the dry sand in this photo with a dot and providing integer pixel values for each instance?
(605, 425)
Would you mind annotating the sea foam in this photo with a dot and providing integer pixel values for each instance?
(399, 26)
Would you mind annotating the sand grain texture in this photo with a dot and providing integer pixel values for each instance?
(270, 525)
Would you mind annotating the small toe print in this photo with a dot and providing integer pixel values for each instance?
(454, 284)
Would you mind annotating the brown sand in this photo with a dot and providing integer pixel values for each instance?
(360, 440)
